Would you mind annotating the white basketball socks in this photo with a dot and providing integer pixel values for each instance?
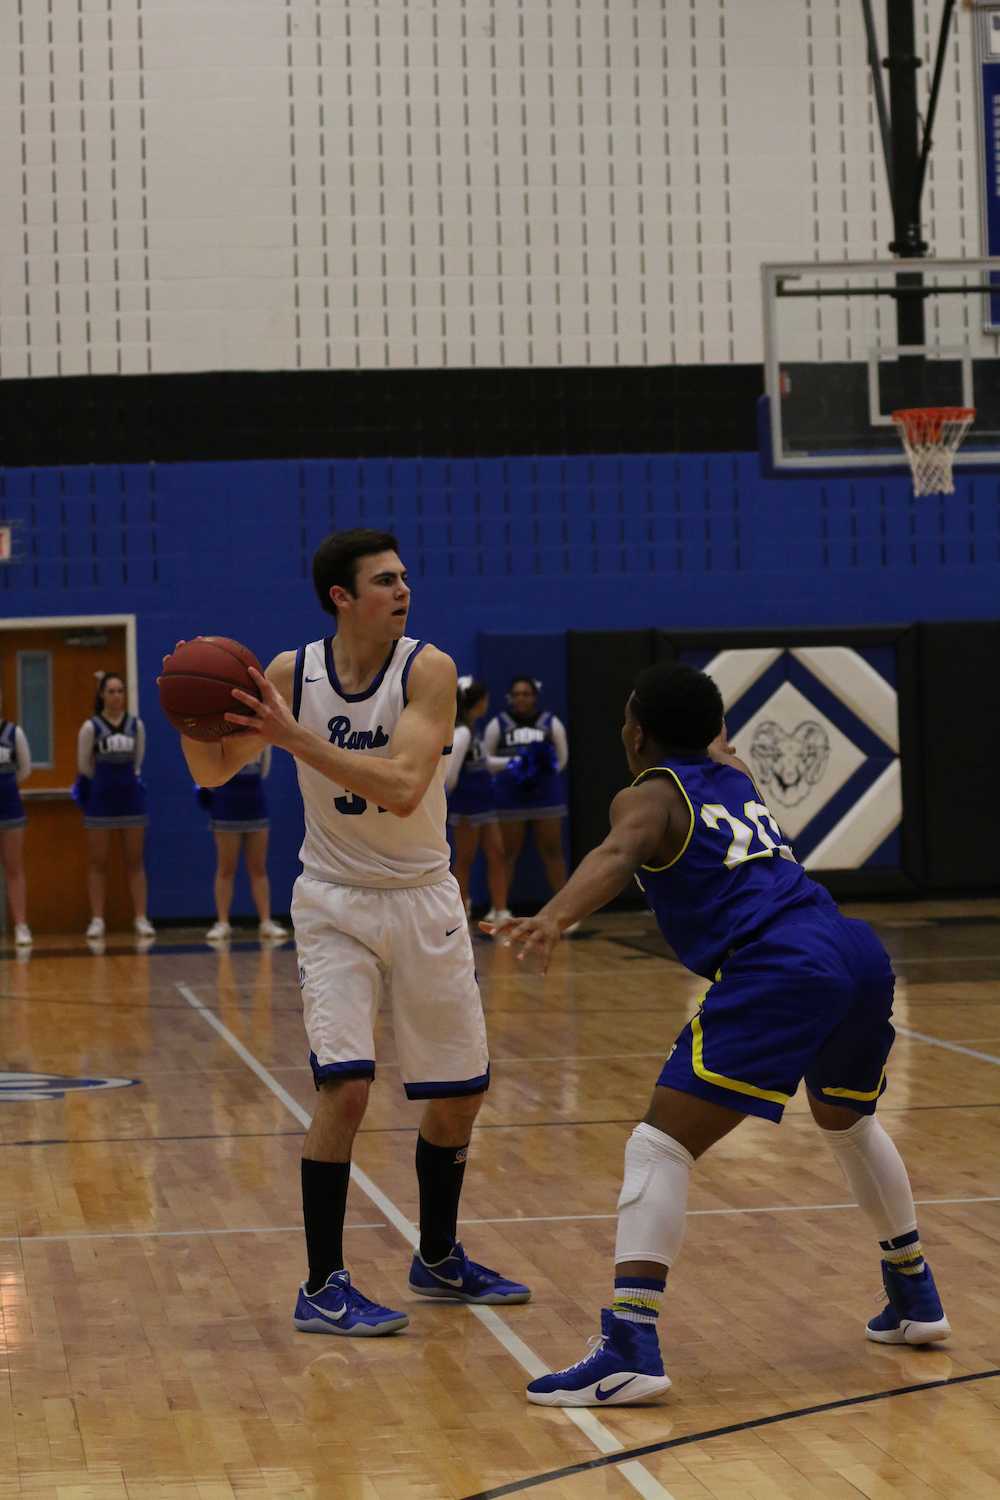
(653, 1199)
(876, 1176)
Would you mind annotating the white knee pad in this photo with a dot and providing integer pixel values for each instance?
(876, 1175)
(653, 1199)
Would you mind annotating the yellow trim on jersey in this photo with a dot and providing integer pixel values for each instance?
(864, 1097)
(665, 770)
(697, 1062)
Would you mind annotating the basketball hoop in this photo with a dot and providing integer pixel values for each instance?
(931, 436)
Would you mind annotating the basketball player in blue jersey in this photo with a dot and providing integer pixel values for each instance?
(798, 991)
(368, 714)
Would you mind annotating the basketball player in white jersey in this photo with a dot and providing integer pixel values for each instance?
(368, 714)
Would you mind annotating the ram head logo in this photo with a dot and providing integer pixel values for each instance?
(789, 765)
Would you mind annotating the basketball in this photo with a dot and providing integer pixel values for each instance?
(196, 686)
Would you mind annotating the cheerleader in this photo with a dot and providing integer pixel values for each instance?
(472, 815)
(15, 765)
(531, 745)
(238, 818)
(110, 750)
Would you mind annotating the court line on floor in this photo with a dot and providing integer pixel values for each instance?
(797, 1117)
(605, 1441)
(692, 1213)
(160, 1234)
(934, 958)
(587, 1466)
(703, 1213)
(494, 1062)
(936, 1041)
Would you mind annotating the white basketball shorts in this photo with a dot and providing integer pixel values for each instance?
(358, 947)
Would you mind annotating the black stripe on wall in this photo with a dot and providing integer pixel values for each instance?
(379, 414)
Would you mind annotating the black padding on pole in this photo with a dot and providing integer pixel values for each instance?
(911, 756)
(960, 728)
(602, 667)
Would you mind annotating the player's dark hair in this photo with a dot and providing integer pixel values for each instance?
(335, 561)
(102, 683)
(532, 682)
(468, 695)
(678, 706)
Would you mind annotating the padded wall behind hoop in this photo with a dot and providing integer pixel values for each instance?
(959, 730)
(602, 667)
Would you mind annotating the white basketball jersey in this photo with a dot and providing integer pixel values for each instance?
(350, 841)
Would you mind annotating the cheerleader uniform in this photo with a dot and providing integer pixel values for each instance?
(468, 783)
(542, 797)
(15, 765)
(111, 756)
(240, 806)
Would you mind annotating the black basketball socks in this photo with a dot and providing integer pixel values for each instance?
(324, 1202)
(440, 1173)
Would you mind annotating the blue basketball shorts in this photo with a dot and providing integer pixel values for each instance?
(809, 998)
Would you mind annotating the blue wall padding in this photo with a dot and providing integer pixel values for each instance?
(496, 547)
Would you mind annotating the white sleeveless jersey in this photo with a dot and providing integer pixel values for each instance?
(350, 841)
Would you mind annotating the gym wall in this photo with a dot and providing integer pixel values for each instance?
(497, 547)
(863, 743)
(486, 272)
(333, 184)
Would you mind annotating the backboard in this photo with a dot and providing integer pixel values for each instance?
(837, 363)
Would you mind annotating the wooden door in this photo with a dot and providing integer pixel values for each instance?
(55, 841)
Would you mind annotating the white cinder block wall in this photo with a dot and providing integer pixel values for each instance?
(195, 185)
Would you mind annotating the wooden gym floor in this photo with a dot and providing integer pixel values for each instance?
(150, 1245)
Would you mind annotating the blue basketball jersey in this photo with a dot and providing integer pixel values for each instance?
(735, 873)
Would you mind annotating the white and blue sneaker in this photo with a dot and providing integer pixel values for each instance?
(623, 1367)
(338, 1307)
(459, 1279)
(914, 1314)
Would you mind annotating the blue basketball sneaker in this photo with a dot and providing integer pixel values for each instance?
(914, 1314)
(338, 1307)
(623, 1367)
(459, 1279)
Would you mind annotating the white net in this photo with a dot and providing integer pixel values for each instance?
(931, 436)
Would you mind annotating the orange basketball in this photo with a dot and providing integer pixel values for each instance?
(196, 686)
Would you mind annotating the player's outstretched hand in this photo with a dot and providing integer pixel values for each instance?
(269, 716)
(534, 939)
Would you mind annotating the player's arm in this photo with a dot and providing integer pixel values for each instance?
(560, 743)
(22, 755)
(460, 747)
(397, 780)
(649, 824)
(212, 764)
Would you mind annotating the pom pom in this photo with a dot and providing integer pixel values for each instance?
(531, 763)
(80, 790)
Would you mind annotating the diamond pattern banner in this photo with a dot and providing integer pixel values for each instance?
(819, 728)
